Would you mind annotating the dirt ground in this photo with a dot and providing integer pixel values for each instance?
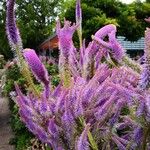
(5, 130)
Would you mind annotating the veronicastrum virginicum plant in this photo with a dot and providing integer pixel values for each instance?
(16, 44)
(103, 99)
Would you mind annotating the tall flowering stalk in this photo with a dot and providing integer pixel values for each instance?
(37, 68)
(79, 20)
(66, 47)
(145, 84)
(16, 43)
(98, 103)
(11, 27)
(112, 44)
(145, 77)
(12, 30)
(82, 142)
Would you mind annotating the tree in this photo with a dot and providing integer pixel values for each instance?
(128, 18)
(93, 18)
(35, 20)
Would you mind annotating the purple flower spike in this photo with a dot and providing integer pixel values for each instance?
(148, 103)
(82, 143)
(82, 53)
(101, 33)
(78, 108)
(57, 90)
(52, 128)
(11, 27)
(112, 44)
(21, 97)
(116, 48)
(73, 62)
(140, 109)
(68, 122)
(104, 109)
(67, 49)
(65, 37)
(122, 140)
(60, 148)
(118, 143)
(41, 133)
(138, 134)
(37, 68)
(101, 42)
(145, 76)
(115, 117)
(79, 20)
(47, 91)
(78, 11)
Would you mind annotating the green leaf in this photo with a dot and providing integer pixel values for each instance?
(92, 141)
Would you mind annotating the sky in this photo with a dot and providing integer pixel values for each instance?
(128, 1)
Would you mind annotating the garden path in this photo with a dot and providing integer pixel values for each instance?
(5, 130)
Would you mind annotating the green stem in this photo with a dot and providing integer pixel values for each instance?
(132, 64)
(26, 73)
(90, 136)
(65, 73)
(92, 141)
(79, 31)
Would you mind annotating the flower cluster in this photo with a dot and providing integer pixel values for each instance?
(98, 103)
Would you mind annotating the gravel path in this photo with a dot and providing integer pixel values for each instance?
(5, 129)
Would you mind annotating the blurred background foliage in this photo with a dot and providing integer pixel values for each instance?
(36, 19)
(128, 18)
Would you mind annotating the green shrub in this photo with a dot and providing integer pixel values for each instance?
(2, 61)
(53, 72)
(12, 75)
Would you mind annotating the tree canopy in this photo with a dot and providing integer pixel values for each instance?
(35, 20)
(128, 18)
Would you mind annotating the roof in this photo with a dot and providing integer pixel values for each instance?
(50, 43)
(128, 45)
